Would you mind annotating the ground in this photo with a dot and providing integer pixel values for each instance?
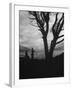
(39, 69)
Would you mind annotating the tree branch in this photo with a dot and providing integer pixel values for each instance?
(31, 18)
(60, 41)
(47, 22)
(58, 25)
(55, 21)
(41, 18)
(60, 36)
(61, 25)
(33, 25)
(53, 27)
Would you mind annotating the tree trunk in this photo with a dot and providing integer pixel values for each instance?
(49, 53)
(45, 48)
(53, 43)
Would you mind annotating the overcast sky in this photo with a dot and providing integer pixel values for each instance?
(30, 37)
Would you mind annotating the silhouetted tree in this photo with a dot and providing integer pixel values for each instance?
(42, 19)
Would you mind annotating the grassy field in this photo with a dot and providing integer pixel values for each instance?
(39, 69)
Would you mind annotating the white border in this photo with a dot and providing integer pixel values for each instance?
(15, 47)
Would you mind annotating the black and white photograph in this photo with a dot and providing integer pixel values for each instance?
(41, 44)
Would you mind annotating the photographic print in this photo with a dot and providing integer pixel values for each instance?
(41, 44)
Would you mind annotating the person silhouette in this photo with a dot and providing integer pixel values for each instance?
(26, 56)
(32, 54)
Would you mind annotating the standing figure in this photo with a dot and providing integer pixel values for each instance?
(32, 54)
(26, 57)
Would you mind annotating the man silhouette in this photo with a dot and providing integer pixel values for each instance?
(32, 54)
(26, 57)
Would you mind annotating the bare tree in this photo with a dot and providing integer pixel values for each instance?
(56, 29)
(42, 19)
